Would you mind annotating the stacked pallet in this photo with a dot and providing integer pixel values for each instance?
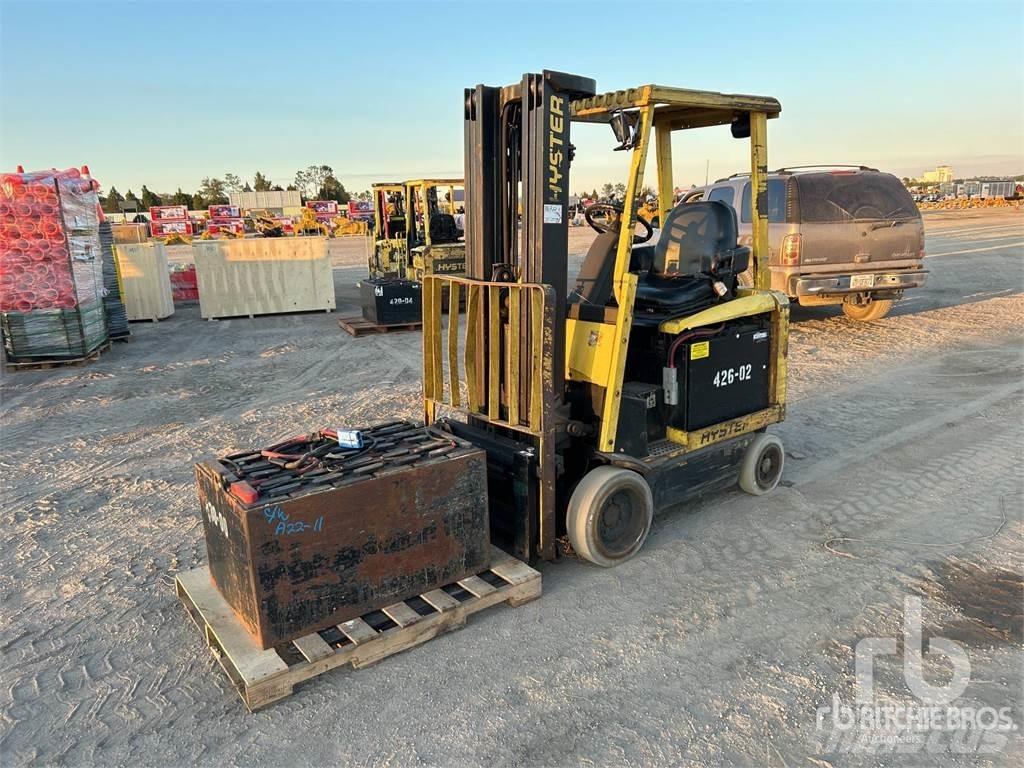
(51, 270)
(113, 304)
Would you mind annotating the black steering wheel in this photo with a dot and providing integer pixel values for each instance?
(600, 228)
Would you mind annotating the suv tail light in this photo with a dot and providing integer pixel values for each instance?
(791, 250)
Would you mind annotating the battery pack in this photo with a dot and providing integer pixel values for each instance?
(722, 378)
(391, 301)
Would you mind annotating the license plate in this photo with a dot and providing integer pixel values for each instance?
(862, 281)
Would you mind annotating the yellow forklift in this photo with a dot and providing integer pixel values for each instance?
(390, 255)
(415, 231)
(650, 376)
(434, 237)
(414, 235)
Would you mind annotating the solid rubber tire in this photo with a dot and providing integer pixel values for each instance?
(586, 503)
(748, 479)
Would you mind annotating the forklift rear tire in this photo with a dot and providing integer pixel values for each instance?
(762, 464)
(609, 515)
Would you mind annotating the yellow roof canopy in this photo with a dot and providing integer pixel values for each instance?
(675, 108)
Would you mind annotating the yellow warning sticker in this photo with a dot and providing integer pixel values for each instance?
(700, 350)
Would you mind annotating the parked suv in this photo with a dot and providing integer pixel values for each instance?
(837, 235)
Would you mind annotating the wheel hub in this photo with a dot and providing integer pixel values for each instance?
(620, 525)
(768, 466)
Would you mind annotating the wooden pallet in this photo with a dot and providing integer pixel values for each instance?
(44, 363)
(262, 677)
(251, 315)
(358, 326)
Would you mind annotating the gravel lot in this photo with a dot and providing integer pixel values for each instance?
(716, 645)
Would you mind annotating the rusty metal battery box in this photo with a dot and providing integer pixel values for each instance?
(309, 534)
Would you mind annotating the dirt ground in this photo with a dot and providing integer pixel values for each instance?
(716, 645)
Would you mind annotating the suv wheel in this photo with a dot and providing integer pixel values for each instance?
(875, 309)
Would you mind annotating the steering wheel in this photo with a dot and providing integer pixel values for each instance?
(600, 228)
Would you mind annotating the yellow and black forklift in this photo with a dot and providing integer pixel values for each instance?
(415, 229)
(649, 376)
(434, 237)
(415, 234)
(390, 255)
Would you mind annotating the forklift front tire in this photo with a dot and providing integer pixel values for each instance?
(762, 464)
(609, 515)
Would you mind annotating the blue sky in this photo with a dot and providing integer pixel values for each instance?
(164, 93)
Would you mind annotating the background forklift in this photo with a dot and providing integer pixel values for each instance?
(414, 235)
(414, 230)
(435, 241)
(390, 253)
(653, 374)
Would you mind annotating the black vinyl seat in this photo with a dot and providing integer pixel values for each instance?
(443, 229)
(698, 246)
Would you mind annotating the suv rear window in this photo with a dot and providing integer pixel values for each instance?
(724, 194)
(831, 197)
(776, 202)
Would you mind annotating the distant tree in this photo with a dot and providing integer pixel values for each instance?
(607, 190)
(332, 189)
(364, 196)
(181, 198)
(289, 188)
(131, 198)
(232, 183)
(110, 202)
(148, 198)
(213, 192)
(261, 183)
(247, 188)
(620, 190)
(197, 203)
(311, 180)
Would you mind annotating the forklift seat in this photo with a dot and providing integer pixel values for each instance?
(443, 229)
(396, 226)
(697, 247)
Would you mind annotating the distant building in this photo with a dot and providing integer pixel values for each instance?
(276, 202)
(969, 188)
(941, 175)
(997, 188)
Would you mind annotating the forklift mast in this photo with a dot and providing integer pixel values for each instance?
(517, 138)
